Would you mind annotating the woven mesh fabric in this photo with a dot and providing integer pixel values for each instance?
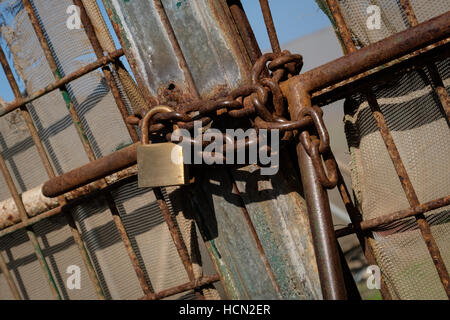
(106, 132)
(420, 130)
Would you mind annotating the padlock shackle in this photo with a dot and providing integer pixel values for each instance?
(146, 122)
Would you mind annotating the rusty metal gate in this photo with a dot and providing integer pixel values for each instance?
(267, 237)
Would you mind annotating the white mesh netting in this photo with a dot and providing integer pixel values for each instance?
(420, 130)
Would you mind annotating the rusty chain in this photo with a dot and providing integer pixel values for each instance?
(263, 103)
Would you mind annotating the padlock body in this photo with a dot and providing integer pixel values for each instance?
(161, 165)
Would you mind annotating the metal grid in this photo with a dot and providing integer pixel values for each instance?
(27, 223)
(324, 83)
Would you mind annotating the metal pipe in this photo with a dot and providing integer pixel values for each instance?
(245, 30)
(91, 172)
(376, 54)
(271, 31)
(327, 255)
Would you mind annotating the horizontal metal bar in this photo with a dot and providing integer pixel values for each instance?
(91, 172)
(196, 284)
(62, 82)
(389, 218)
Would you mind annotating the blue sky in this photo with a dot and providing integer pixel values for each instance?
(293, 19)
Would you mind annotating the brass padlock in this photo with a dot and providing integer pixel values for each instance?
(159, 164)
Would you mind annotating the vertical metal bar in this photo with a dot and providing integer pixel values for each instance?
(271, 31)
(50, 171)
(87, 147)
(324, 239)
(90, 32)
(29, 230)
(395, 157)
(436, 79)
(245, 30)
(9, 278)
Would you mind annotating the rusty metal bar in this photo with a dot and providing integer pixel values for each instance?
(436, 79)
(90, 32)
(90, 172)
(193, 285)
(396, 158)
(46, 162)
(344, 32)
(325, 243)
(245, 30)
(30, 233)
(398, 215)
(31, 221)
(271, 31)
(58, 84)
(9, 278)
(376, 54)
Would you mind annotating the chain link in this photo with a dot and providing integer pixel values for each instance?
(264, 104)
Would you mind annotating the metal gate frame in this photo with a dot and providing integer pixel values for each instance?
(359, 70)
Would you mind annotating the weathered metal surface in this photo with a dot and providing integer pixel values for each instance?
(325, 244)
(91, 172)
(188, 38)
